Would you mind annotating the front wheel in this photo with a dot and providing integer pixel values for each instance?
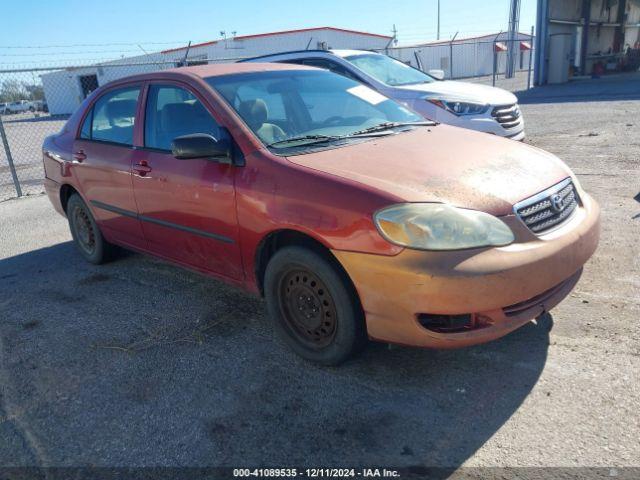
(85, 232)
(314, 308)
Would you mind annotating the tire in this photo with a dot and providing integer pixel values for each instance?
(313, 307)
(85, 232)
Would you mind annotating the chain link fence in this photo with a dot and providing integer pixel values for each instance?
(477, 61)
(36, 102)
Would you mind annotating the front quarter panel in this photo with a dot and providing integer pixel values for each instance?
(274, 194)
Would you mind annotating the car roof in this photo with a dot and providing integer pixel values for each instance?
(348, 53)
(206, 71)
(309, 53)
(218, 69)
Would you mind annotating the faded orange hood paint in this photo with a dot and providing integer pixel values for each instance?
(445, 164)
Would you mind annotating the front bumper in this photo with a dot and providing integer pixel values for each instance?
(509, 285)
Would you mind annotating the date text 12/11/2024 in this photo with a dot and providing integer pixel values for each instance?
(316, 472)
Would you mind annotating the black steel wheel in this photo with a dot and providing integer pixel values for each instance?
(314, 307)
(308, 308)
(85, 232)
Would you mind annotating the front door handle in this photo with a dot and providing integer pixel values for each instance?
(141, 168)
(79, 156)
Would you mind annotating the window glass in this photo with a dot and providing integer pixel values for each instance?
(250, 93)
(388, 70)
(86, 126)
(293, 103)
(114, 115)
(173, 112)
(328, 65)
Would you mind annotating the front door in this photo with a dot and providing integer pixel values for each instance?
(102, 157)
(186, 207)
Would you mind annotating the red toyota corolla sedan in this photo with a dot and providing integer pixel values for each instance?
(353, 216)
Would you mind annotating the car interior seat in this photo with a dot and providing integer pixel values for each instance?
(120, 114)
(182, 118)
(256, 114)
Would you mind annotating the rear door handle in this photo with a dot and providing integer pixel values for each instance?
(141, 168)
(79, 156)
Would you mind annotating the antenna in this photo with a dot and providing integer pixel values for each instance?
(186, 54)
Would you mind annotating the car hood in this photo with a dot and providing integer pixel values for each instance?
(463, 91)
(444, 164)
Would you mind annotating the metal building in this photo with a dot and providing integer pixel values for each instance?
(586, 37)
(65, 89)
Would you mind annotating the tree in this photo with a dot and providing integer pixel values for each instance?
(35, 91)
(13, 90)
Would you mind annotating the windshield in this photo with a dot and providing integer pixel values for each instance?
(388, 70)
(306, 105)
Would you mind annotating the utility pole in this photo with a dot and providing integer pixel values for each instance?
(438, 37)
(512, 45)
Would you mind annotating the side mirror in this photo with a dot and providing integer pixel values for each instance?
(201, 145)
(437, 74)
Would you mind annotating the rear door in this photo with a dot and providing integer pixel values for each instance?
(186, 207)
(103, 153)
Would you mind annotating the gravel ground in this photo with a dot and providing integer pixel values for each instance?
(140, 363)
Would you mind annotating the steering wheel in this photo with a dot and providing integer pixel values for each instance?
(332, 120)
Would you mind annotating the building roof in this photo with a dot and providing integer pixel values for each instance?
(283, 32)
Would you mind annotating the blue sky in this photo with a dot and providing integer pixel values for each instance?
(80, 30)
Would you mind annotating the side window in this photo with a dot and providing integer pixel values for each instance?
(85, 133)
(172, 112)
(113, 116)
(329, 65)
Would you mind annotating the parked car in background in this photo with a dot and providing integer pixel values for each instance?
(350, 213)
(41, 105)
(20, 106)
(3, 108)
(462, 104)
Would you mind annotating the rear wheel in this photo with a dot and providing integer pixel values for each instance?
(314, 309)
(85, 232)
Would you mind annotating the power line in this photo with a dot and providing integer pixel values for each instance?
(75, 45)
(65, 53)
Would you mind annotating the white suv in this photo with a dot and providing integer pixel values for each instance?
(463, 104)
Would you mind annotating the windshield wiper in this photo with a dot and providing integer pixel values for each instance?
(389, 125)
(307, 139)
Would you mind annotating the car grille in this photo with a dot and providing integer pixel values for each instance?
(507, 115)
(548, 209)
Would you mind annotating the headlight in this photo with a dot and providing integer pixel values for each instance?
(437, 226)
(460, 108)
